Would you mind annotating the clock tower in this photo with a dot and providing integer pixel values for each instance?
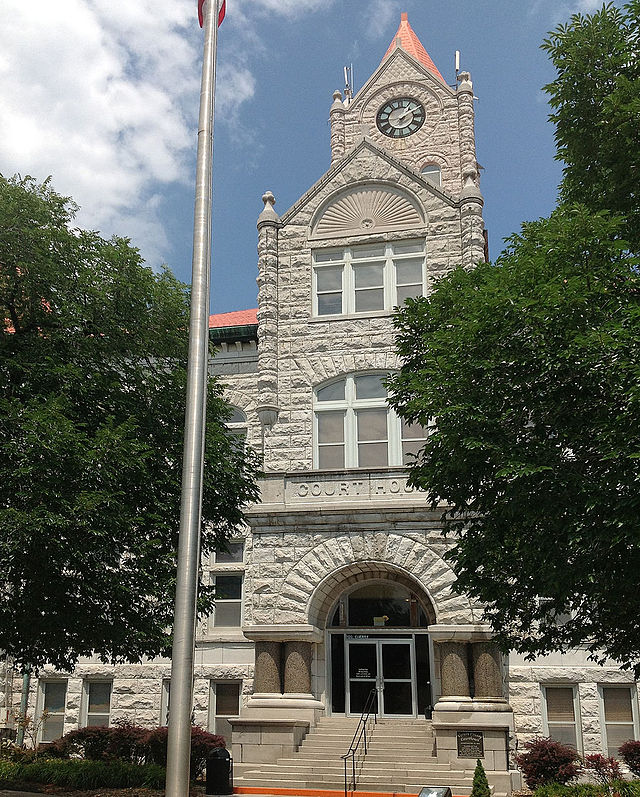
(407, 110)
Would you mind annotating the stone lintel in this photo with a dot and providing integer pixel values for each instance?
(460, 633)
(268, 722)
(283, 633)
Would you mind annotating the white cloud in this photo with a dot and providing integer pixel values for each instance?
(103, 95)
(381, 15)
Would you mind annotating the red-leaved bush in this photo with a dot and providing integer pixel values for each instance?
(630, 752)
(548, 761)
(604, 770)
(131, 743)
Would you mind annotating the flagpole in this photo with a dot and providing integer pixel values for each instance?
(184, 625)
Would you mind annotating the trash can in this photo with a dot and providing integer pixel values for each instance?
(219, 772)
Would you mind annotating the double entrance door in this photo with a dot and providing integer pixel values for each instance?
(387, 665)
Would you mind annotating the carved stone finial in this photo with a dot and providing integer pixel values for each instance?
(337, 95)
(465, 86)
(337, 105)
(268, 215)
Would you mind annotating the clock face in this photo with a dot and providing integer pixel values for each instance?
(400, 117)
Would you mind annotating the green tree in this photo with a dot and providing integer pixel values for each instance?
(92, 384)
(596, 110)
(529, 371)
(480, 787)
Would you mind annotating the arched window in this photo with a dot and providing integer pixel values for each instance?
(237, 424)
(354, 427)
(432, 173)
(382, 604)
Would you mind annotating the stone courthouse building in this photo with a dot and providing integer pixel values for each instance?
(338, 585)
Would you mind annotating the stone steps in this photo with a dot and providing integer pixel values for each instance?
(399, 759)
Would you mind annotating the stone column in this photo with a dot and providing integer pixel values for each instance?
(471, 200)
(297, 668)
(267, 677)
(268, 225)
(454, 675)
(487, 673)
(336, 116)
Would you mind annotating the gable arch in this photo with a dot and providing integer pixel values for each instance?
(367, 207)
(314, 582)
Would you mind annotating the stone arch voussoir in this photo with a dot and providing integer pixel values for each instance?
(314, 583)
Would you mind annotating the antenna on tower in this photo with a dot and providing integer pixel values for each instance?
(457, 63)
(348, 84)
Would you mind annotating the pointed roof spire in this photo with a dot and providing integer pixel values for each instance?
(410, 43)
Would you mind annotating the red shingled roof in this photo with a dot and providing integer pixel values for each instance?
(411, 44)
(239, 318)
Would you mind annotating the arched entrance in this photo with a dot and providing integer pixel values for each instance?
(377, 640)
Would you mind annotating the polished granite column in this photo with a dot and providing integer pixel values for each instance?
(297, 668)
(268, 672)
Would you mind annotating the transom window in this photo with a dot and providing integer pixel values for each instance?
(363, 279)
(355, 427)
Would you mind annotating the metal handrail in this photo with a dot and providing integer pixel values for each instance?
(359, 736)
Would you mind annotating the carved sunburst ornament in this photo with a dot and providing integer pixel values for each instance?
(367, 209)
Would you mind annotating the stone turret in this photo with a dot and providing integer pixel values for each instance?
(337, 127)
(268, 225)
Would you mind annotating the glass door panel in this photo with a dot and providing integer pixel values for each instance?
(397, 667)
(363, 673)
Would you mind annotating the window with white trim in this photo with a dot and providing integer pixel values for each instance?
(364, 279)
(560, 713)
(233, 555)
(224, 702)
(227, 612)
(620, 717)
(354, 427)
(97, 703)
(53, 701)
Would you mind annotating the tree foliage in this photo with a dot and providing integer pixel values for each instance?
(92, 383)
(596, 110)
(530, 369)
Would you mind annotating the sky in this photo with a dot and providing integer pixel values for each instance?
(103, 96)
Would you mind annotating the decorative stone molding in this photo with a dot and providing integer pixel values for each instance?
(367, 209)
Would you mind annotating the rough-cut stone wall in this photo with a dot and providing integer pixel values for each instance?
(526, 682)
(438, 141)
(312, 349)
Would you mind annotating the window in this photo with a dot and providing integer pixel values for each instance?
(97, 702)
(560, 712)
(619, 717)
(431, 172)
(165, 700)
(237, 424)
(232, 556)
(224, 702)
(228, 608)
(54, 695)
(355, 427)
(363, 279)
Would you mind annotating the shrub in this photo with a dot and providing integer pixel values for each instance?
(127, 743)
(480, 786)
(548, 761)
(604, 770)
(623, 788)
(630, 752)
(202, 744)
(77, 774)
(89, 743)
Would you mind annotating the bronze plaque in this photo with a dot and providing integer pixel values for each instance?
(470, 744)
